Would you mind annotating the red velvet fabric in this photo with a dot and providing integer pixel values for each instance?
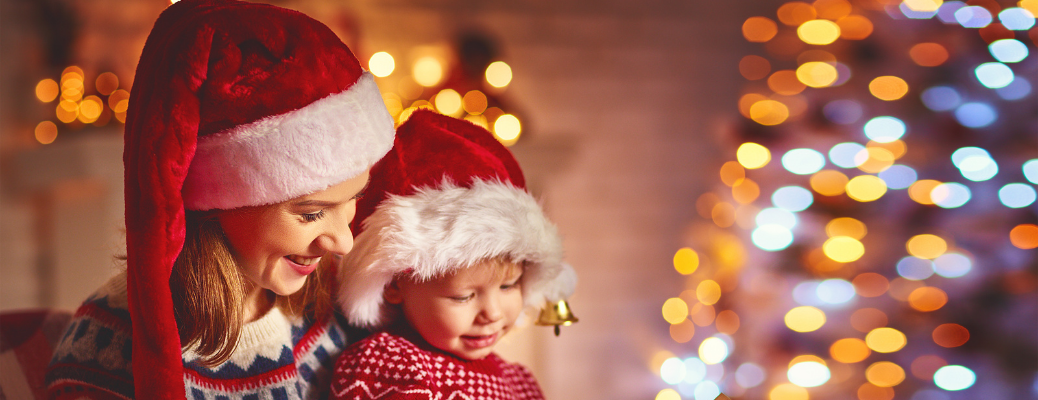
(207, 66)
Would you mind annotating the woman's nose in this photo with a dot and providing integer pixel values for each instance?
(337, 236)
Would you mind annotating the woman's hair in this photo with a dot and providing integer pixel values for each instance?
(209, 291)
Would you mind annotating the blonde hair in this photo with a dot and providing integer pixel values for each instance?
(209, 291)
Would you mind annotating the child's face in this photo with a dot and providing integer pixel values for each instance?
(465, 313)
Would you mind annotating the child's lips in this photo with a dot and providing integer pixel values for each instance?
(479, 341)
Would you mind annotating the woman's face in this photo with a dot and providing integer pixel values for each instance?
(277, 246)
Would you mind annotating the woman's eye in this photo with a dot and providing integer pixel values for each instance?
(311, 217)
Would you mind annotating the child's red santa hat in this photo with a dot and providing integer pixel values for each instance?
(447, 196)
(234, 104)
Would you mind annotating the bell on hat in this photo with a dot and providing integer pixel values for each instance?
(556, 313)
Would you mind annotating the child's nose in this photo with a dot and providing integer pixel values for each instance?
(491, 311)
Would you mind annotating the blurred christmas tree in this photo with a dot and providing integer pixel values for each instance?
(889, 252)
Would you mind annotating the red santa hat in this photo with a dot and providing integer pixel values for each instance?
(447, 196)
(234, 104)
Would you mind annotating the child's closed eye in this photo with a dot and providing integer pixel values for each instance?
(462, 299)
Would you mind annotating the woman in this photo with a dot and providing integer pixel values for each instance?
(249, 137)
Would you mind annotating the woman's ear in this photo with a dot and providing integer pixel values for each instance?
(391, 293)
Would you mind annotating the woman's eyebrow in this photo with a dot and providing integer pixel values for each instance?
(325, 203)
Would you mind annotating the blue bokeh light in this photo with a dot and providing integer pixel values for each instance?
(1016, 19)
(973, 17)
(898, 176)
(707, 390)
(952, 265)
(976, 115)
(843, 74)
(806, 293)
(1008, 50)
(915, 268)
(946, 13)
(994, 75)
(1017, 195)
(1018, 89)
(941, 98)
(672, 371)
(777, 216)
(954, 377)
(1030, 168)
(978, 168)
(960, 155)
(843, 112)
(835, 291)
(792, 198)
(950, 195)
(749, 375)
(885, 129)
(771, 237)
(803, 161)
(695, 370)
(844, 154)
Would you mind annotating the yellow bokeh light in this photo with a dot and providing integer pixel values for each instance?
(788, 391)
(668, 394)
(759, 29)
(90, 109)
(675, 310)
(878, 160)
(923, 5)
(686, 261)
(807, 358)
(748, 100)
(393, 103)
(47, 90)
(926, 246)
(46, 132)
(727, 322)
(867, 319)
(72, 89)
(769, 112)
(448, 102)
(507, 129)
(478, 120)
(754, 67)
(795, 13)
(805, 319)
(865, 188)
(854, 27)
(819, 32)
(713, 351)
(708, 292)
(885, 340)
(1024, 236)
(1029, 5)
(817, 74)
(116, 97)
(786, 83)
(843, 249)
(829, 182)
(106, 83)
(732, 173)
(474, 102)
(846, 226)
(920, 191)
(683, 331)
(427, 71)
(849, 350)
(752, 155)
(888, 88)
(67, 111)
(885, 374)
(381, 64)
(928, 54)
(927, 299)
(746, 191)
(499, 74)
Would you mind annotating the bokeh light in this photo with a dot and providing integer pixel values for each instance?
(381, 64)
(835, 291)
(46, 132)
(941, 98)
(1024, 236)
(865, 188)
(754, 67)
(927, 299)
(846, 226)
(923, 367)
(706, 390)
(870, 284)
(918, 9)
(792, 198)
(727, 322)
(1017, 195)
(675, 310)
(885, 129)
(785, 82)
(993, 75)
(106, 83)
(947, 11)
(427, 71)
(668, 394)
(795, 13)
(1016, 90)
(474, 102)
(844, 154)
(928, 54)
(499, 74)
(829, 182)
(915, 268)
(47, 90)
(817, 74)
(1016, 19)
(672, 371)
(849, 350)
(1008, 50)
(776, 216)
(769, 112)
(818, 32)
(746, 191)
(954, 377)
(843, 112)
(803, 161)
(771, 237)
(888, 88)
(843, 249)
(952, 265)
(854, 27)
(759, 29)
(926, 246)
(695, 370)
(805, 319)
(1030, 170)
(950, 335)
(868, 391)
(885, 374)
(808, 374)
(898, 176)
(713, 350)
(868, 319)
(507, 129)
(950, 195)
(682, 332)
(885, 340)
(788, 391)
(973, 17)
(448, 102)
(749, 375)
(708, 292)
(752, 155)
(686, 261)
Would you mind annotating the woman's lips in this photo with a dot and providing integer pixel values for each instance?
(479, 342)
(303, 266)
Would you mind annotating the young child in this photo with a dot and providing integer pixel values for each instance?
(451, 251)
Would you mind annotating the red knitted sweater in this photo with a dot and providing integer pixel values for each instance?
(388, 366)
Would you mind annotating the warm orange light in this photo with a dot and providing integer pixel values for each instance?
(897, 148)
(926, 246)
(686, 261)
(923, 367)
(865, 188)
(747, 101)
(888, 88)
(475, 102)
(785, 82)
(832, 9)
(843, 249)
(47, 90)
(788, 391)
(708, 292)
(732, 173)
(870, 284)
(885, 374)
(846, 226)
(885, 340)
(702, 314)
(1024, 236)
(746, 191)
(849, 350)
(920, 190)
(829, 182)
(901, 288)
(759, 29)
(754, 67)
(675, 310)
(795, 13)
(805, 319)
(46, 132)
(683, 331)
(879, 159)
(723, 214)
(868, 391)
(705, 204)
(928, 54)
(727, 322)
(867, 319)
(854, 27)
(819, 32)
(817, 74)
(927, 298)
(106, 83)
(951, 335)
(752, 155)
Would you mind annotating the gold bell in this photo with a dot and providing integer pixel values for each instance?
(557, 314)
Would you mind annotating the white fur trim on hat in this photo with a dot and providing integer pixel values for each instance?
(289, 155)
(435, 231)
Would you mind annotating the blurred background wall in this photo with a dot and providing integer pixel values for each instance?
(633, 117)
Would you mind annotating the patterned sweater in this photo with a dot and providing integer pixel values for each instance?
(276, 358)
(388, 366)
